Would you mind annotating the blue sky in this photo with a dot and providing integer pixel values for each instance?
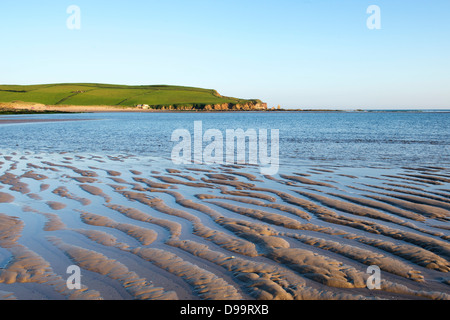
(293, 53)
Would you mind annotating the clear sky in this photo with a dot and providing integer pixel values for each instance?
(293, 53)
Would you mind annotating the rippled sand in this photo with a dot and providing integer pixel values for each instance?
(145, 229)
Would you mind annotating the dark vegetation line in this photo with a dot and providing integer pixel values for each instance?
(142, 94)
(72, 95)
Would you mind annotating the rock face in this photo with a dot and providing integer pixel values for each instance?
(231, 106)
(247, 106)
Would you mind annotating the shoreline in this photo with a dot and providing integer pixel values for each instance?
(20, 121)
(35, 108)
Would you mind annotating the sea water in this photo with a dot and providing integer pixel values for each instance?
(338, 138)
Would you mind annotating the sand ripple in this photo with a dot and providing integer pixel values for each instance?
(222, 232)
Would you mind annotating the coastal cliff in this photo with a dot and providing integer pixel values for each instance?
(255, 105)
(120, 97)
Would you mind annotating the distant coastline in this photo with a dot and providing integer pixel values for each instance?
(108, 97)
(21, 108)
(98, 98)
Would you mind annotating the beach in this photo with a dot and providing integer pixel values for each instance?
(296, 151)
(39, 107)
(142, 228)
(21, 121)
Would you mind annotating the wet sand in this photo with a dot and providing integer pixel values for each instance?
(19, 121)
(144, 229)
(37, 107)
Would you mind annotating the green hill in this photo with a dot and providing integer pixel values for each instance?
(156, 97)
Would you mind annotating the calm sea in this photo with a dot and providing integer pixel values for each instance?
(341, 138)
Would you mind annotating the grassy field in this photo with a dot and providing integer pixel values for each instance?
(84, 94)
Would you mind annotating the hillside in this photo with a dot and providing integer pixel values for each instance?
(159, 97)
